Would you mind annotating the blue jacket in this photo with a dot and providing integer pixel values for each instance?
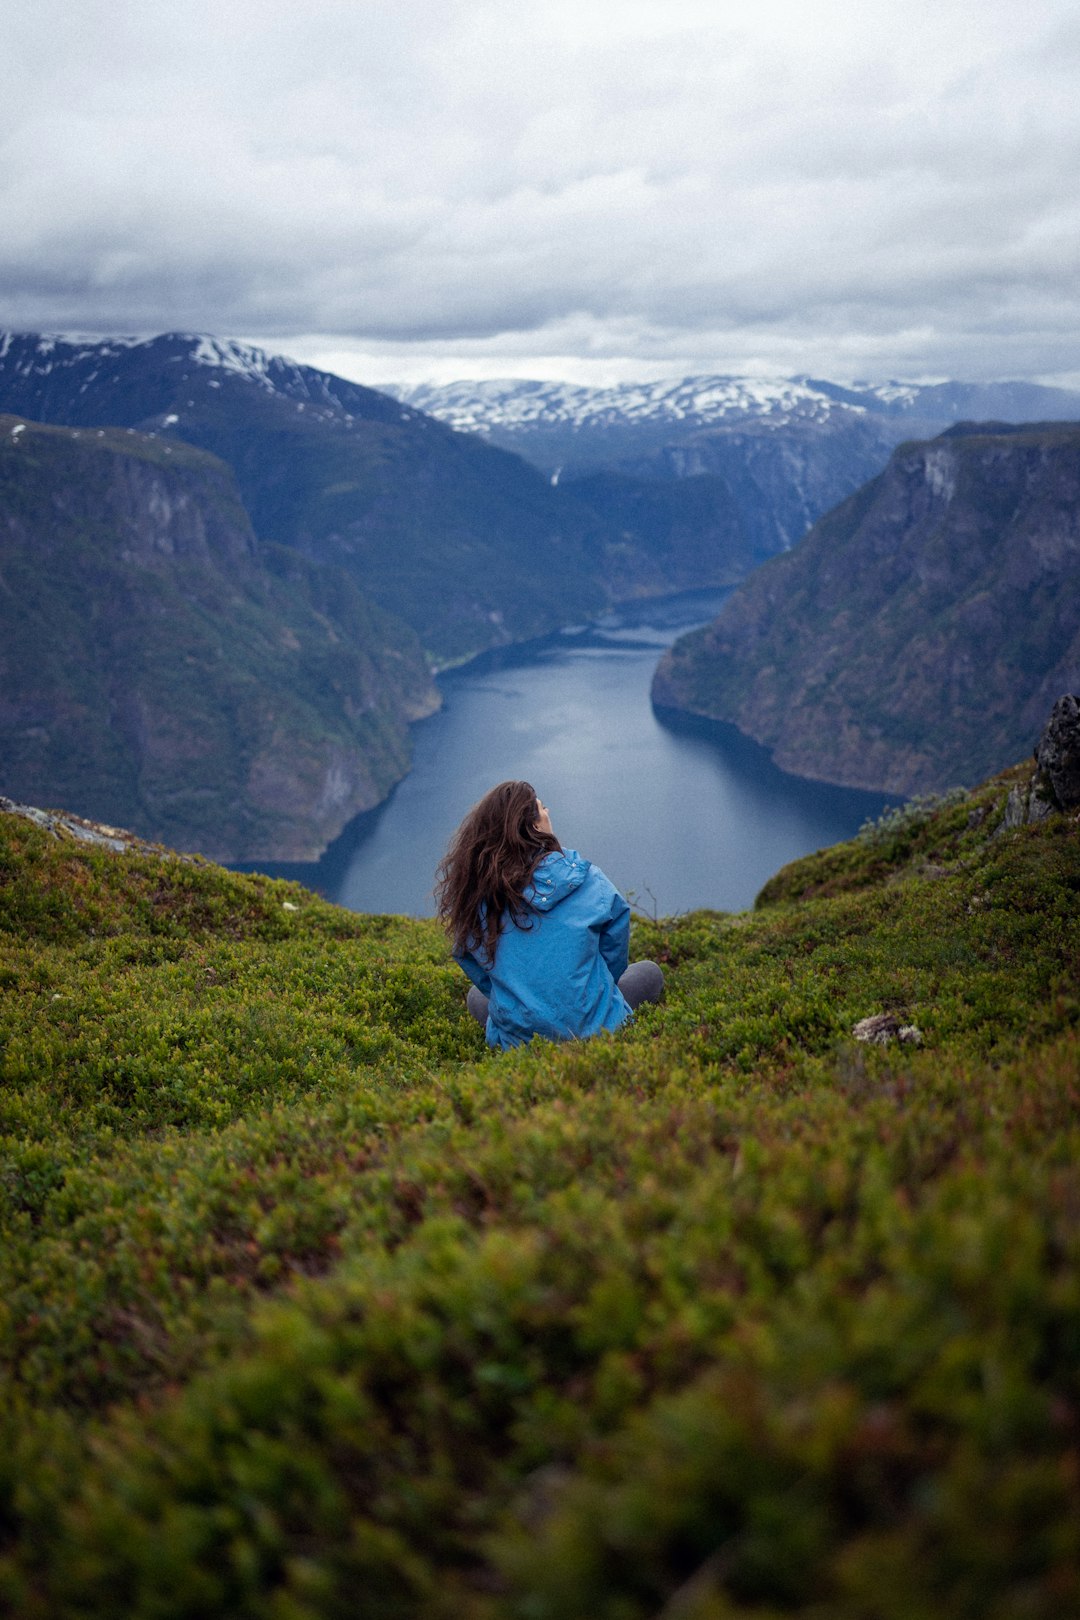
(556, 977)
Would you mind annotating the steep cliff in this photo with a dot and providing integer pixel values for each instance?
(781, 476)
(160, 668)
(921, 631)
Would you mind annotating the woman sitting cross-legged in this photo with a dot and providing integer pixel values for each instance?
(540, 931)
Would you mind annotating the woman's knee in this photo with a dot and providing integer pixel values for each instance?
(642, 981)
(477, 1004)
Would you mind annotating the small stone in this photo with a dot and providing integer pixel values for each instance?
(289, 905)
(910, 1035)
(878, 1030)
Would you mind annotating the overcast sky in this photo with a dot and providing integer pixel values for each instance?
(590, 189)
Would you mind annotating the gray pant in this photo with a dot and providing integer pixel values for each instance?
(642, 981)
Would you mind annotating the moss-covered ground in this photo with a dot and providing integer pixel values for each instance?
(309, 1307)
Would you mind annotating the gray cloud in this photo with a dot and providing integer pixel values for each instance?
(653, 184)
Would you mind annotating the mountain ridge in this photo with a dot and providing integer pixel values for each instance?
(505, 407)
(436, 528)
(783, 451)
(466, 542)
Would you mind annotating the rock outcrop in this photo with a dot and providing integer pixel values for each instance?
(64, 825)
(1057, 753)
(1055, 784)
(921, 632)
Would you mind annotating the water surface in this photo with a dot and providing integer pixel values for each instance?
(678, 815)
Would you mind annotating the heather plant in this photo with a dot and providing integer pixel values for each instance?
(310, 1306)
(900, 819)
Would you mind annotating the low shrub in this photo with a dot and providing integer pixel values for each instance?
(310, 1306)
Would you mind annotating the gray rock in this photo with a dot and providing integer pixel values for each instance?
(877, 1030)
(881, 1028)
(1057, 755)
(1016, 808)
(61, 824)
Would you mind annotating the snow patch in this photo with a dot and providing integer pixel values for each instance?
(269, 372)
(511, 404)
(940, 467)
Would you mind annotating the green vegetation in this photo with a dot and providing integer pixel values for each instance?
(164, 671)
(310, 1307)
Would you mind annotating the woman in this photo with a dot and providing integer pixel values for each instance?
(539, 930)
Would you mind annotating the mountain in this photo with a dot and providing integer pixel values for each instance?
(781, 452)
(920, 631)
(345, 499)
(465, 542)
(161, 667)
(566, 429)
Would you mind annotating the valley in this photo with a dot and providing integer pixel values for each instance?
(250, 703)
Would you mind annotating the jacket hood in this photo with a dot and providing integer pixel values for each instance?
(556, 876)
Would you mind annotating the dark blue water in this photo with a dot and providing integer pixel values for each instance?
(678, 816)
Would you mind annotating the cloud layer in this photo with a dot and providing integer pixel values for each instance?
(646, 186)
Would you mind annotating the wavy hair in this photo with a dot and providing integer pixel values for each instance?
(488, 866)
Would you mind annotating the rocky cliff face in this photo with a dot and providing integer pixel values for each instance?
(782, 477)
(161, 669)
(921, 632)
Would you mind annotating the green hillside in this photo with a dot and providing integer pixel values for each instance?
(162, 668)
(309, 1307)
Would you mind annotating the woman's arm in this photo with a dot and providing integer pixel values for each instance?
(475, 970)
(615, 935)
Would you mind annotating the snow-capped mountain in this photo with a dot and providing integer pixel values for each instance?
(467, 544)
(568, 426)
(105, 381)
(690, 401)
(446, 532)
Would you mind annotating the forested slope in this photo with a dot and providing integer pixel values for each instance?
(163, 668)
(923, 628)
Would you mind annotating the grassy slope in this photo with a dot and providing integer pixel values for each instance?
(311, 1308)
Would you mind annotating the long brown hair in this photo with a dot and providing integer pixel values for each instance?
(488, 865)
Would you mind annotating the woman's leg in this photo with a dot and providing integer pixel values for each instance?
(642, 981)
(477, 1004)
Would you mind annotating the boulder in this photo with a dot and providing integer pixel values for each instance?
(1057, 755)
(881, 1028)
